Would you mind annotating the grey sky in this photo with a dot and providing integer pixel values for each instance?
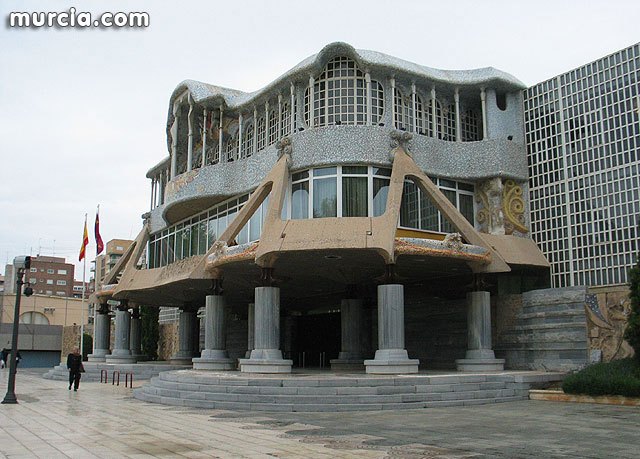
(83, 111)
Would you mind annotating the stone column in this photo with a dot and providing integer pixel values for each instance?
(185, 338)
(350, 356)
(214, 356)
(102, 335)
(135, 335)
(267, 356)
(121, 352)
(391, 356)
(480, 356)
(251, 330)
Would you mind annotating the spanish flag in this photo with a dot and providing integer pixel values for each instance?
(99, 243)
(85, 241)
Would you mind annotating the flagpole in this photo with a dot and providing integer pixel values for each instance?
(84, 287)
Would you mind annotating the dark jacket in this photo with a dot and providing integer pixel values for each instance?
(74, 362)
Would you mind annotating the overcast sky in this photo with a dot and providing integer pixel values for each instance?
(83, 111)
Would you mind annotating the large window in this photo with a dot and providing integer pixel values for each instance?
(247, 146)
(418, 212)
(196, 235)
(340, 96)
(339, 191)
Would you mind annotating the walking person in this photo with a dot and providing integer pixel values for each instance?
(74, 364)
(4, 359)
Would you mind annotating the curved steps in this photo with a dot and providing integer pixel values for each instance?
(93, 370)
(331, 392)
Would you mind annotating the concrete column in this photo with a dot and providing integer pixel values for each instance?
(456, 97)
(190, 136)
(214, 356)
(311, 100)
(135, 335)
(121, 352)
(204, 139)
(102, 335)
(251, 329)
(185, 338)
(267, 356)
(483, 100)
(392, 84)
(367, 79)
(350, 356)
(479, 356)
(434, 114)
(174, 142)
(391, 356)
(293, 108)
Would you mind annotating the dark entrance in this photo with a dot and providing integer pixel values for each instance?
(317, 340)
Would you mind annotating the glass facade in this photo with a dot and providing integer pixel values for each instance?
(361, 191)
(340, 96)
(583, 147)
(339, 191)
(418, 212)
(196, 235)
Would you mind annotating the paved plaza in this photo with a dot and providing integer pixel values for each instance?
(105, 421)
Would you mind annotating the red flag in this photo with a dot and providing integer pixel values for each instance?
(99, 243)
(85, 241)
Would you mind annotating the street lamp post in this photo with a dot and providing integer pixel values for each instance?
(22, 264)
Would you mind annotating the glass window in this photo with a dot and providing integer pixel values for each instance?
(339, 95)
(300, 200)
(354, 196)
(273, 127)
(325, 196)
(247, 147)
(262, 134)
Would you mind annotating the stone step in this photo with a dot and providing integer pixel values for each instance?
(553, 308)
(333, 392)
(292, 407)
(555, 318)
(93, 371)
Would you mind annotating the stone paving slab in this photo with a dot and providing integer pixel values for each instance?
(104, 421)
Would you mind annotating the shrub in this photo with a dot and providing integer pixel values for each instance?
(632, 333)
(620, 377)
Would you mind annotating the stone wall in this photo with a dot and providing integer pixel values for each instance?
(70, 340)
(547, 332)
(168, 341)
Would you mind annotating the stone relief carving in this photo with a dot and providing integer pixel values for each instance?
(400, 139)
(219, 250)
(453, 241)
(606, 324)
(513, 208)
(490, 216)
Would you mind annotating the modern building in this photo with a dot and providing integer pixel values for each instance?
(47, 276)
(360, 210)
(105, 262)
(583, 140)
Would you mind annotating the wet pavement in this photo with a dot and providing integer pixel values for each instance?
(105, 421)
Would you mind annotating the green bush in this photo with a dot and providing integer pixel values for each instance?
(620, 377)
(632, 333)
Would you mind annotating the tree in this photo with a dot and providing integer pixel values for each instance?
(632, 333)
(150, 331)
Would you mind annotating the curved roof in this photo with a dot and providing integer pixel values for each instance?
(234, 98)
